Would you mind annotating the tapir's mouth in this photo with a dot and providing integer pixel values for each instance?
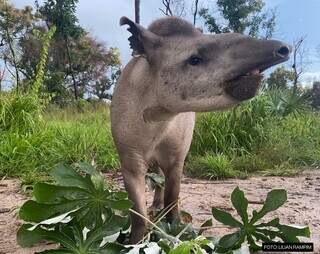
(246, 85)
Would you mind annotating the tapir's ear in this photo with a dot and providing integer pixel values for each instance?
(142, 40)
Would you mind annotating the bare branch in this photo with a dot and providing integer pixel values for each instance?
(173, 8)
(167, 5)
(195, 12)
(298, 63)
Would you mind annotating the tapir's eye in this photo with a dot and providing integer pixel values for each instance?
(195, 60)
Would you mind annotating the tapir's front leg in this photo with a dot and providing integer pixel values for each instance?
(134, 179)
(173, 176)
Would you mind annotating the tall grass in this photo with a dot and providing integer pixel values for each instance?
(61, 135)
(19, 113)
(252, 138)
(259, 136)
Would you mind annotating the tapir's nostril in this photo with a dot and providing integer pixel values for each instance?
(283, 51)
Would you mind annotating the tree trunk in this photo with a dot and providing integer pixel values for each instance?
(137, 11)
(75, 88)
(195, 12)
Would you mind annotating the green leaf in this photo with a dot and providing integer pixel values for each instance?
(183, 248)
(270, 233)
(225, 218)
(121, 204)
(165, 245)
(240, 203)
(92, 200)
(261, 236)
(27, 238)
(110, 227)
(32, 211)
(113, 248)
(252, 244)
(275, 199)
(59, 251)
(71, 236)
(67, 176)
(272, 223)
(207, 223)
(49, 193)
(291, 232)
(86, 168)
(230, 240)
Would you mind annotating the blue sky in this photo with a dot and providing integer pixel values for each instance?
(295, 18)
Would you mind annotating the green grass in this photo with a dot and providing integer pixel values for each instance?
(61, 135)
(212, 166)
(250, 139)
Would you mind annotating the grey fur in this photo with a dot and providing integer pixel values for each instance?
(152, 111)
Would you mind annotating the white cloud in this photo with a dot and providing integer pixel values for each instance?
(308, 78)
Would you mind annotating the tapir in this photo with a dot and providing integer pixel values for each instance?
(177, 70)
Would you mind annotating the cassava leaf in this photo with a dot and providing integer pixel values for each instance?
(93, 202)
(207, 223)
(225, 218)
(27, 238)
(67, 176)
(71, 236)
(229, 241)
(291, 232)
(31, 211)
(240, 203)
(50, 194)
(272, 223)
(275, 199)
(120, 204)
(86, 168)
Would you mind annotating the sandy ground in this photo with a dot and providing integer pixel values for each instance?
(198, 196)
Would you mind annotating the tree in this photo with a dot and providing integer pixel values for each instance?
(92, 63)
(102, 87)
(280, 78)
(14, 24)
(62, 14)
(240, 16)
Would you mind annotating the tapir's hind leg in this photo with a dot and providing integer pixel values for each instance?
(158, 200)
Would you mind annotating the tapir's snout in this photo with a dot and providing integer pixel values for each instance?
(283, 51)
(250, 58)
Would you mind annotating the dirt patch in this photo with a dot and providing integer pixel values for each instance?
(198, 196)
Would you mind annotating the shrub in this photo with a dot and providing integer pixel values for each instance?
(212, 166)
(84, 215)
